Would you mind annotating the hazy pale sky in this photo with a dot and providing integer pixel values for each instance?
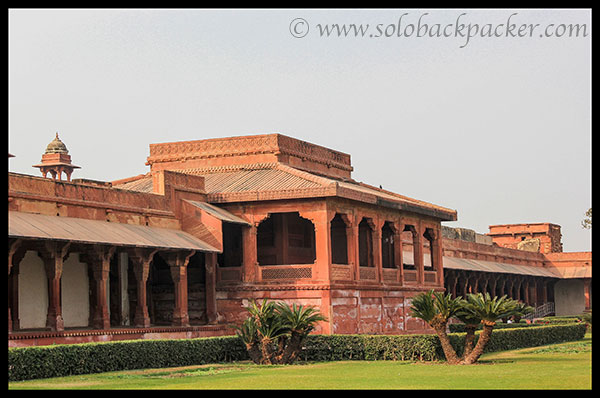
(495, 124)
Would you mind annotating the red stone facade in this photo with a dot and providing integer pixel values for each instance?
(270, 216)
(540, 237)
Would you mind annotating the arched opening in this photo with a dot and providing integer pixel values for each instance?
(161, 291)
(365, 243)
(339, 241)
(428, 256)
(74, 289)
(387, 246)
(407, 238)
(32, 292)
(285, 238)
(196, 274)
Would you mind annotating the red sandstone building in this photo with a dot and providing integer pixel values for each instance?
(179, 251)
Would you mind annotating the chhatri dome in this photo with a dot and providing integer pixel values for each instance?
(56, 160)
(56, 146)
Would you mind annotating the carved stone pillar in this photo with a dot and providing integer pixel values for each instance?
(544, 286)
(398, 255)
(418, 254)
(473, 281)
(437, 253)
(517, 287)
(350, 251)
(250, 269)
(493, 283)
(484, 280)
(509, 284)
(452, 282)
(98, 258)
(464, 288)
(355, 255)
(500, 283)
(16, 252)
(141, 259)
(178, 262)
(587, 291)
(53, 254)
(211, 284)
(533, 296)
(322, 225)
(376, 245)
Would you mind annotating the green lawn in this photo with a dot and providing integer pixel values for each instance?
(560, 366)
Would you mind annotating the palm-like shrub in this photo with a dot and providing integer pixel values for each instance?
(471, 320)
(299, 321)
(436, 309)
(274, 332)
(489, 310)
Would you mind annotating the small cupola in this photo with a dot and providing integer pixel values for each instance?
(56, 160)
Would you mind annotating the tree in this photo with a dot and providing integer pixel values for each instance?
(489, 310)
(467, 316)
(587, 222)
(299, 322)
(274, 332)
(436, 309)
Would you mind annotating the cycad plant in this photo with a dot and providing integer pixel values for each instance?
(489, 310)
(467, 316)
(436, 309)
(274, 332)
(299, 322)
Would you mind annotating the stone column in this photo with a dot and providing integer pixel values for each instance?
(587, 291)
(544, 297)
(210, 264)
(99, 259)
(500, 284)
(484, 278)
(250, 269)
(178, 262)
(517, 287)
(398, 227)
(141, 259)
(16, 252)
(437, 258)
(418, 254)
(509, 284)
(350, 251)
(533, 291)
(355, 254)
(464, 289)
(494, 282)
(527, 297)
(322, 225)
(452, 282)
(473, 281)
(376, 246)
(53, 254)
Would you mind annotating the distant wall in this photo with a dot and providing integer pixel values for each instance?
(569, 297)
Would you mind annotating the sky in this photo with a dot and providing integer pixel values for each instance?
(487, 112)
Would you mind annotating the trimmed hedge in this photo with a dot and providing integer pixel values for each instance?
(460, 327)
(372, 347)
(510, 339)
(76, 359)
